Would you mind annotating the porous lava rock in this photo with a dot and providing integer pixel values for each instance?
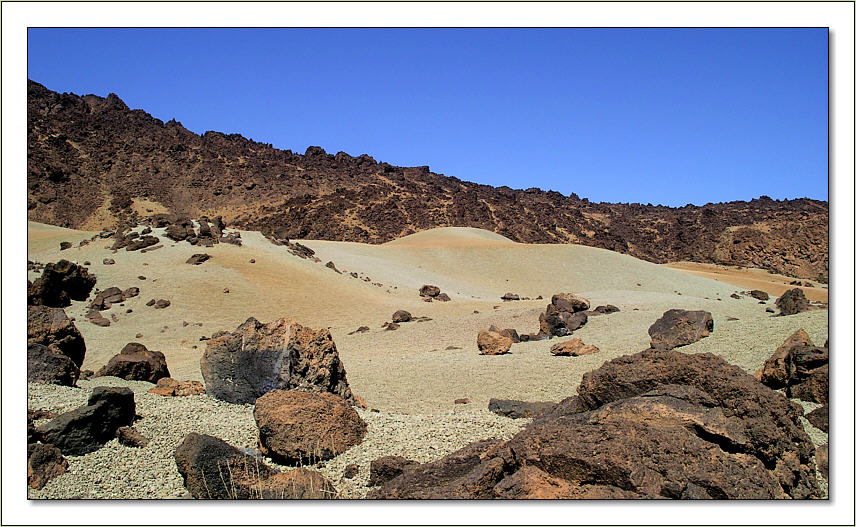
(386, 468)
(87, 428)
(558, 322)
(306, 427)
(45, 365)
(136, 363)
(44, 462)
(656, 424)
(792, 302)
(493, 343)
(800, 367)
(51, 327)
(819, 417)
(573, 348)
(60, 283)
(297, 484)
(241, 366)
(679, 327)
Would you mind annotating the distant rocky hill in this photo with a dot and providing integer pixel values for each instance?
(93, 162)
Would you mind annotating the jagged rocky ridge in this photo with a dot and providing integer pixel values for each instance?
(93, 162)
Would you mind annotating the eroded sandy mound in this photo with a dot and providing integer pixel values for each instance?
(451, 237)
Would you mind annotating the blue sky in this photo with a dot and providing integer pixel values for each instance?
(666, 116)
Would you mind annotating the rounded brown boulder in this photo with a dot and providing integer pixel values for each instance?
(493, 343)
(136, 363)
(306, 427)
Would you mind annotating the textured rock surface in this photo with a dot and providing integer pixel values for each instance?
(298, 484)
(792, 302)
(401, 316)
(386, 468)
(679, 327)
(87, 428)
(43, 463)
(493, 343)
(799, 366)
(301, 427)
(569, 302)
(573, 348)
(46, 365)
(51, 327)
(59, 284)
(649, 425)
(241, 366)
(136, 363)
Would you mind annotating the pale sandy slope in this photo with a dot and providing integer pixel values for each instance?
(409, 370)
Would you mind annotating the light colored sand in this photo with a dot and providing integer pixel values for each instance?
(407, 374)
(409, 370)
(748, 278)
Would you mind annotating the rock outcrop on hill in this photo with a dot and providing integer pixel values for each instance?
(87, 154)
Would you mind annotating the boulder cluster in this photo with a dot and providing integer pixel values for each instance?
(208, 232)
(429, 293)
(657, 424)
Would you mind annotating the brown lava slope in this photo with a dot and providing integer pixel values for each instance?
(93, 162)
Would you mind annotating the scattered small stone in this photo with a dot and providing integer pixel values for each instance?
(252, 260)
(465, 400)
(141, 277)
(162, 304)
(735, 296)
(139, 335)
(401, 316)
(361, 329)
(573, 348)
(351, 471)
(225, 289)
(64, 245)
(130, 437)
(448, 348)
(108, 261)
(87, 262)
(391, 326)
(198, 259)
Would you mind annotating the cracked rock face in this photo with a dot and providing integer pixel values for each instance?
(649, 425)
(241, 366)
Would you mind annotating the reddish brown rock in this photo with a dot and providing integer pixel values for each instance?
(819, 418)
(162, 304)
(136, 363)
(297, 484)
(679, 327)
(759, 295)
(554, 321)
(44, 462)
(429, 290)
(493, 343)
(198, 259)
(169, 387)
(518, 409)
(569, 302)
(401, 316)
(306, 427)
(510, 333)
(386, 468)
(800, 367)
(573, 348)
(509, 297)
(129, 436)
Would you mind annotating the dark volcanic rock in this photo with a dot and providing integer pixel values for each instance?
(142, 242)
(214, 469)
(60, 283)
(759, 295)
(162, 304)
(679, 327)
(443, 297)
(792, 302)
(136, 363)
(198, 259)
(47, 366)
(401, 316)
(242, 366)
(105, 299)
(607, 309)
(429, 290)
(132, 154)
(97, 318)
(44, 462)
(569, 303)
(87, 428)
(386, 468)
(510, 296)
(306, 427)
(554, 321)
(657, 424)
(819, 418)
(518, 409)
(51, 327)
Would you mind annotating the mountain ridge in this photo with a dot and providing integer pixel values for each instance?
(93, 162)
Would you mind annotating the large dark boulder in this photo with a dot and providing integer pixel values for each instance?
(241, 366)
(51, 327)
(792, 302)
(569, 302)
(214, 469)
(657, 424)
(306, 427)
(44, 365)
(87, 428)
(59, 284)
(558, 322)
(136, 363)
(679, 327)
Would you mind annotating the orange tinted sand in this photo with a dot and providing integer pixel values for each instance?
(774, 284)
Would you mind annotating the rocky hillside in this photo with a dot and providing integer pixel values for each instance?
(92, 161)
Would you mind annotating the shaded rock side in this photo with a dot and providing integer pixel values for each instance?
(51, 327)
(518, 409)
(44, 462)
(87, 428)
(792, 302)
(241, 366)
(60, 283)
(44, 365)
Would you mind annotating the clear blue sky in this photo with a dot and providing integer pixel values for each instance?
(669, 116)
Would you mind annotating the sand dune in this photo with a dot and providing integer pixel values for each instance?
(410, 370)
